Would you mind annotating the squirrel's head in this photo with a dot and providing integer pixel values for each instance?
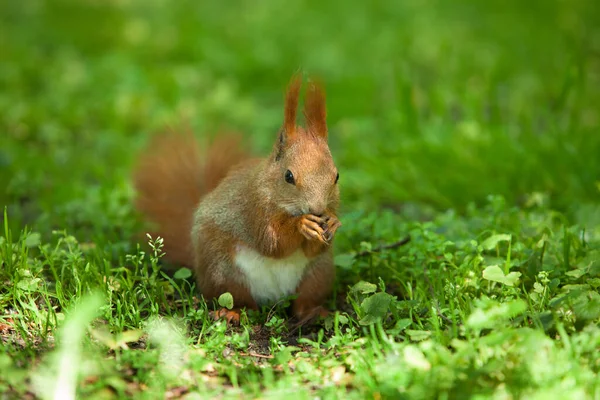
(306, 178)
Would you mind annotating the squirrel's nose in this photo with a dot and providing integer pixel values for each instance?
(318, 210)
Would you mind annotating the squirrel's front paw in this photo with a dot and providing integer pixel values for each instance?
(313, 227)
(331, 226)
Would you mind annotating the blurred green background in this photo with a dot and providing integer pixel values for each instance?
(433, 103)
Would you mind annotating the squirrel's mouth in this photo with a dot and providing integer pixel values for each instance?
(294, 210)
(298, 213)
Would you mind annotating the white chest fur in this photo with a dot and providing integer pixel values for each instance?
(270, 279)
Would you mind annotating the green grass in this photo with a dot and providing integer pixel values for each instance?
(472, 127)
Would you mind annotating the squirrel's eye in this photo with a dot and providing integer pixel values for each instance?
(289, 177)
(337, 177)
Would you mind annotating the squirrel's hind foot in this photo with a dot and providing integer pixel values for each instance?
(231, 316)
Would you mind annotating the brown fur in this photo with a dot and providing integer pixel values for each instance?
(315, 111)
(291, 106)
(170, 179)
(231, 201)
(314, 288)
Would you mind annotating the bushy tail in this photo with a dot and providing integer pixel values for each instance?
(171, 177)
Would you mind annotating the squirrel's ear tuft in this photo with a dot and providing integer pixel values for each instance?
(291, 106)
(288, 130)
(315, 111)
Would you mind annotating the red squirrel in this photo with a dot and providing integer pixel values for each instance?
(259, 228)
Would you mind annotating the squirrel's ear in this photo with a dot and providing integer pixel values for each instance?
(291, 106)
(288, 130)
(315, 111)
